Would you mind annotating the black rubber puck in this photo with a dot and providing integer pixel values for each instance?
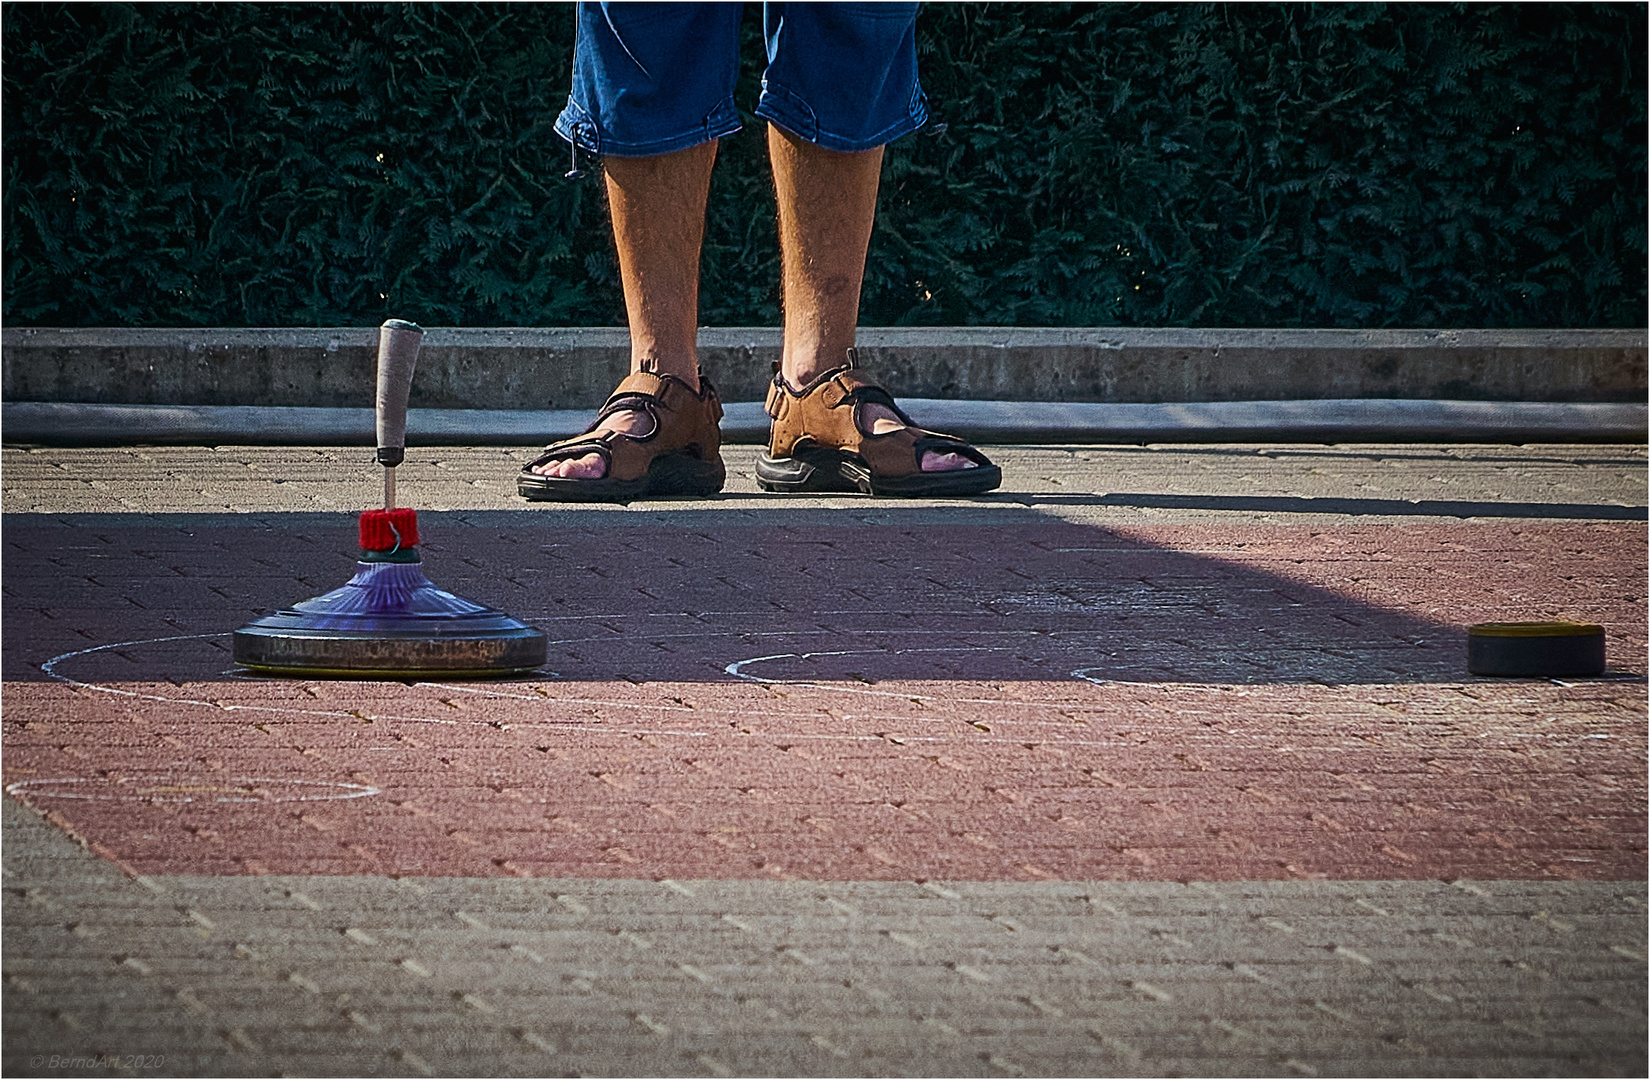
(1538, 650)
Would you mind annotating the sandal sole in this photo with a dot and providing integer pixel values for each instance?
(819, 470)
(675, 475)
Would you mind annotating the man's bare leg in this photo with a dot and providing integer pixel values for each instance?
(658, 206)
(827, 204)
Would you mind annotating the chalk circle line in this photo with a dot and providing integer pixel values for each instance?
(737, 668)
(49, 668)
(1084, 674)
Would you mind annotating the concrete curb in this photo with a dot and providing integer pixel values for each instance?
(1342, 420)
(574, 368)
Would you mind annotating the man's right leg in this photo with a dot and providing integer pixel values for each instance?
(658, 206)
(652, 92)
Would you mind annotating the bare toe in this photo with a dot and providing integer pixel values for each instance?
(933, 461)
(588, 467)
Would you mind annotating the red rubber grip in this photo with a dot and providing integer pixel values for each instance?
(379, 529)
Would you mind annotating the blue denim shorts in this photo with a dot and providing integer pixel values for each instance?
(653, 78)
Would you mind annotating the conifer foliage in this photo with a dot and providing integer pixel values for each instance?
(1120, 164)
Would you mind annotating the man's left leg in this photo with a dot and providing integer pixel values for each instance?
(841, 83)
(827, 205)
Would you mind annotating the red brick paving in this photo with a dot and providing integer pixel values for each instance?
(1253, 702)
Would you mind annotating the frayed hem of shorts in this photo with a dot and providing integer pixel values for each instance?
(798, 126)
(581, 133)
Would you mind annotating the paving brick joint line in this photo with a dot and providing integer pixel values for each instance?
(1059, 783)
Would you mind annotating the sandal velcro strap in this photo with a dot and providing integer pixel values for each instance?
(826, 413)
(849, 387)
(683, 422)
(645, 404)
(576, 447)
(822, 440)
(839, 389)
(648, 384)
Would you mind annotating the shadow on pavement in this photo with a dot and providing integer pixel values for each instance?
(1290, 504)
(980, 592)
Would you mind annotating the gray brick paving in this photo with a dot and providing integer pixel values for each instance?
(1112, 485)
(461, 976)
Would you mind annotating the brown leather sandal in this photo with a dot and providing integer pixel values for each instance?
(680, 455)
(817, 443)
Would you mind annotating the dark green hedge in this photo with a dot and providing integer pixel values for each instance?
(1135, 164)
